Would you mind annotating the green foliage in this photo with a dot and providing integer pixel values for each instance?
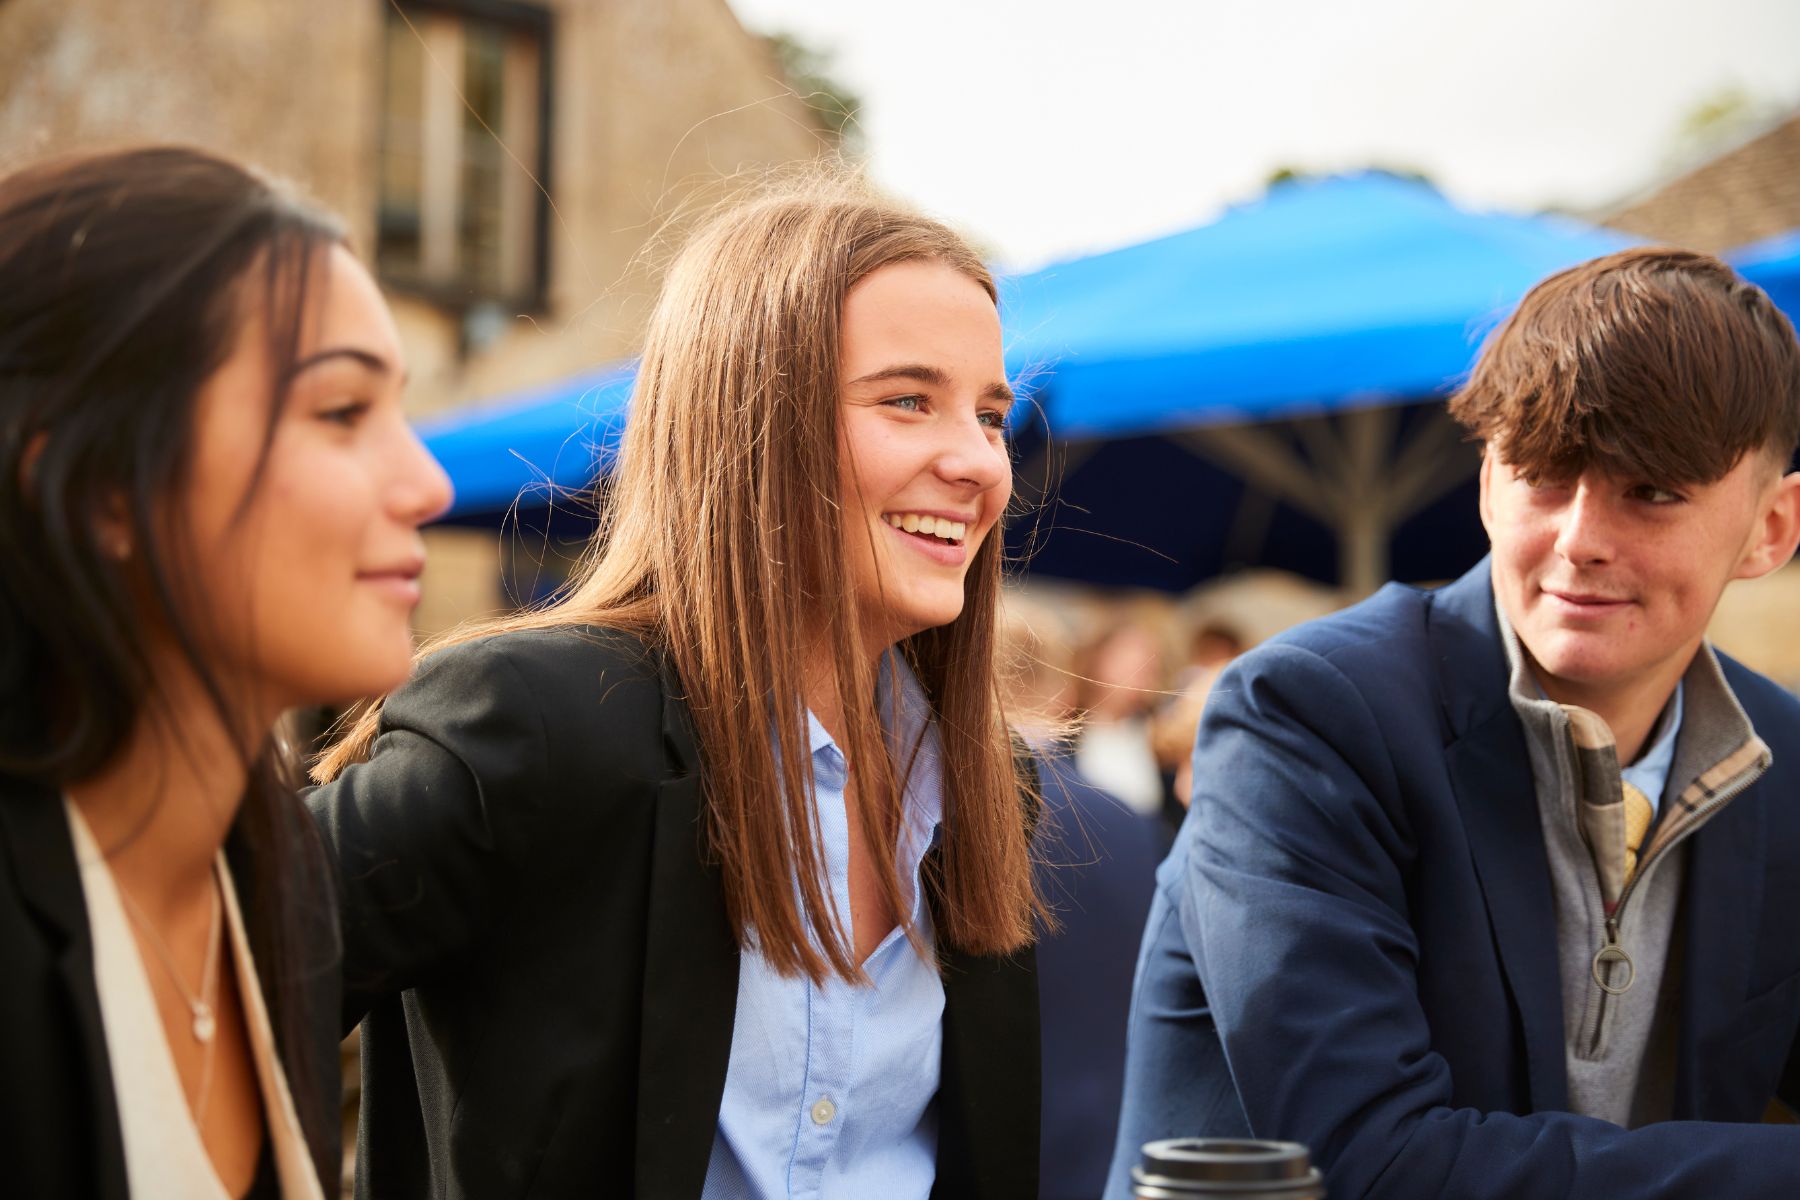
(1724, 116)
(1290, 173)
(811, 73)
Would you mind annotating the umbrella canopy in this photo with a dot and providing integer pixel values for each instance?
(1217, 392)
(1326, 293)
(533, 446)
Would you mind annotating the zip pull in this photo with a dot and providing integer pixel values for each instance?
(1612, 952)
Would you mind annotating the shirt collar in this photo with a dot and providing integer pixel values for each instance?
(906, 717)
(1657, 756)
(913, 737)
(911, 731)
(816, 737)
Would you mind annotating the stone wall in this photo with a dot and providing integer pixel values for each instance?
(288, 86)
(653, 100)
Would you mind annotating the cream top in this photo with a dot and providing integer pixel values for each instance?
(164, 1154)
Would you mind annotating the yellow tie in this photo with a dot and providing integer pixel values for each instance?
(1638, 814)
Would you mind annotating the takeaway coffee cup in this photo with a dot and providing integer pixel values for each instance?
(1225, 1169)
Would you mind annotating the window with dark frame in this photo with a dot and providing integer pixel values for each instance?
(464, 83)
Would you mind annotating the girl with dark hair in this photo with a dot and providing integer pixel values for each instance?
(711, 878)
(209, 505)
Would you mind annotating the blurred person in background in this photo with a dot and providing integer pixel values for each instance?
(1210, 650)
(210, 515)
(712, 877)
(1172, 739)
(1097, 865)
(1122, 671)
(1173, 724)
(1488, 891)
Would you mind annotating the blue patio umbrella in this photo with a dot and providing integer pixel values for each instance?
(1246, 381)
(532, 447)
(1773, 265)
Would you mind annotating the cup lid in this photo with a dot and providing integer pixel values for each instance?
(1226, 1160)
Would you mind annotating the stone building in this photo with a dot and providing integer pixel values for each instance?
(1748, 193)
(504, 164)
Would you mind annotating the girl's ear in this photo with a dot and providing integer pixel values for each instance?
(111, 516)
(112, 527)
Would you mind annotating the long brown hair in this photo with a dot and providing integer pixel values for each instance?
(722, 545)
(125, 278)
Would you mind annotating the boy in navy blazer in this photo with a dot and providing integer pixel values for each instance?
(1494, 891)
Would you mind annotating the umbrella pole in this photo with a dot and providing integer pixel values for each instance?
(1357, 483)
(1342, 489)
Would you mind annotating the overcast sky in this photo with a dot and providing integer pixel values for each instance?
(1049, 128)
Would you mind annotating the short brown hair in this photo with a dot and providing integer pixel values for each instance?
(1653, 364)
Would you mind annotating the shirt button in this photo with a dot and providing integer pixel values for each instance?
(823, 1110)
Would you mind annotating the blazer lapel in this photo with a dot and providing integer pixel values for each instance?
(1490, 769)
(989, 1082)
(42, 853)
(1721, 897)
(690, 982)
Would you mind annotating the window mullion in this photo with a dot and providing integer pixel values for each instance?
(440, 199)
(518, 190)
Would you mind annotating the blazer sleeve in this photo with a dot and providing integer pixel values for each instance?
(1293, 899)
(477, 764)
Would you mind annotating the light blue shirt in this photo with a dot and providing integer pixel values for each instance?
(1650, 773)
(831, 1090)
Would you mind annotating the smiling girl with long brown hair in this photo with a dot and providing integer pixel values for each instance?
(712, 877)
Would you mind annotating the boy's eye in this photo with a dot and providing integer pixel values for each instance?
(1657, 495)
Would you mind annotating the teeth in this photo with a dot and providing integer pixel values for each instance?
(929, 525)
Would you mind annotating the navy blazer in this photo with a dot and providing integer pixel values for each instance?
(539, 952)
(1353, 943)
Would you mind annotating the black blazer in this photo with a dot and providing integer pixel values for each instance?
(58, 1114)
(541, 958)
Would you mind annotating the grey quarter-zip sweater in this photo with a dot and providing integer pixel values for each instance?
(1619, 964)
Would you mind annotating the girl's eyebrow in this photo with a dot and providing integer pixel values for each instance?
(922, 372)
(368, 359)
(934, 377)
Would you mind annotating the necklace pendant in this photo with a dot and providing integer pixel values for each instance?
(204, 1025)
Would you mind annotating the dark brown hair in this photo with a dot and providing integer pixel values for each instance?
(125, 278)
(722, 545)
(1652, 364)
